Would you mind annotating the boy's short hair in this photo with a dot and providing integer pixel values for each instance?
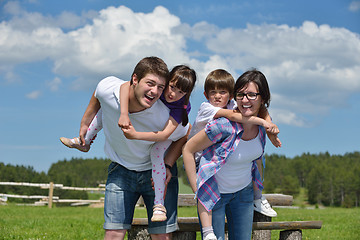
(152, 65)
(219, 79)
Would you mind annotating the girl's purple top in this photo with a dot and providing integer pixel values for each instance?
(176, 108)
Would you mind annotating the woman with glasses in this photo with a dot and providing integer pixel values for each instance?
(224, 181)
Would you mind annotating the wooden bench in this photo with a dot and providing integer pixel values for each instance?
(188, 226)
(275, 199)
(262, 226)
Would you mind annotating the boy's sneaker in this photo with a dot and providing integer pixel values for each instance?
(75, 143)
(210, 236)
(263, 206)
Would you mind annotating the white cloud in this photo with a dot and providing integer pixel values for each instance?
(28, 21)
(119, 38)
(54, 84)
(307, 66)
(287, 117)
(203, 30)
(33, 95)
(214, 62)
(13, 7)
(354, 6)
(10, 76)
(116, 40)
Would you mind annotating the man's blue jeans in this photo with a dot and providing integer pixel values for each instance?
(123, 189)
(239, 210)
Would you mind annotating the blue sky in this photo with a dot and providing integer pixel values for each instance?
(53, 53)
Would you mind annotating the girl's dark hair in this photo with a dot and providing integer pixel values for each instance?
(185, 78)
(253, 75)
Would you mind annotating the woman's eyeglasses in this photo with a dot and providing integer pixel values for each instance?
(249, 96)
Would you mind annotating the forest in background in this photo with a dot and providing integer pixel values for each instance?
(329, 180)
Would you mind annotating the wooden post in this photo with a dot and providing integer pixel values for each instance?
(141, 233)
(261, 234)
(138, 233)
(291, 235)
(51, 192)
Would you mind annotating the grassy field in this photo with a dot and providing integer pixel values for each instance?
(80, 223)
(25, 222)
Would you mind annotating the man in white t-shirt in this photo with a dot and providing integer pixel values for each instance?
(129, 174)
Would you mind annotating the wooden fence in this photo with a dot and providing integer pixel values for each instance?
(50, 198)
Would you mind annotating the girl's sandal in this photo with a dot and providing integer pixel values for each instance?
(159, 213)
(75, 143)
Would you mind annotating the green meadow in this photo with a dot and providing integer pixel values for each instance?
(85, 223)
(26, 222)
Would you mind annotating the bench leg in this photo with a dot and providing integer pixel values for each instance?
(138, 233)
(141, 233)
(291, 235)
(261, 234)
(184, 235)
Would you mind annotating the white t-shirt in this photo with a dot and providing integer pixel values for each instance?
(205, 114)
(236, 172)
(132, 154)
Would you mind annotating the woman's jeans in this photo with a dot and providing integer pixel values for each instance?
(239, 210)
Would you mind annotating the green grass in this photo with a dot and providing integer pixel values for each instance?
(25, 222)
(338, 223)
(80, 223)
(183, 188)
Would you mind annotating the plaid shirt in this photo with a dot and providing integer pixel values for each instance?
(226, 136)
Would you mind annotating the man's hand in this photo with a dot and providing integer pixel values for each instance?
(168, 176)
(82, 133)
(167, 180)
(90, 112)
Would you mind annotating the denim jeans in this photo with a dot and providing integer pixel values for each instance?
(123, 189)
(239, 210)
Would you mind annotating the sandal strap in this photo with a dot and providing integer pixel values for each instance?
(159, 207)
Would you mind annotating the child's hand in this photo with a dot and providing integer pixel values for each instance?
(130, 132)
(271, 128)
(274, 139)
(124, 121)
(272, 131)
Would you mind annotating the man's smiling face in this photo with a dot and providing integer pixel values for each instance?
(146, 91)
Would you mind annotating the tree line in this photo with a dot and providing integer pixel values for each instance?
(76, 172)
(330, 180)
